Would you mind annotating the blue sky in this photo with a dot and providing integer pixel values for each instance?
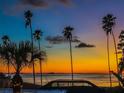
(84, 15)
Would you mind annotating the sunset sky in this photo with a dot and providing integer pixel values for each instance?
(51, 16)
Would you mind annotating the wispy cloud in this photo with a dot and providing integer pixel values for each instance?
(22, 5)
(65, 2)
(44, 3)
(84, 45)
(34, 3)
(60, 39)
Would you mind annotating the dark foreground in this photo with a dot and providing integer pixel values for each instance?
(58, 85)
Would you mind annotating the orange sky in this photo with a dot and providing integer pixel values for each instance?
(85, 60)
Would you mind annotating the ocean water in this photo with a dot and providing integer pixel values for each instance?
(8, 90)
(97, 79)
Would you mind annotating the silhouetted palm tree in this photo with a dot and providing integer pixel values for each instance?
(37, 36)
(118, 76)
(115, 44)
(17, 53)
(108, 23)
(20, 56)
(121, 47)
(6, 41)
(68, 35)
(28, 15)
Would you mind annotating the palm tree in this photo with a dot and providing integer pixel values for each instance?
(68, 35)
(112, 23)
(118, 76)
(121, 47)
(6, 41)
(37, 36)
(17, 53)
(121, 63)
(28, 15)
(108, 23)
(20, 57)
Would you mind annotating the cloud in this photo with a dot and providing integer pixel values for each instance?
(35, 3)
(65, 2)
(44, 3)
(84, 45)
(60, 39)
(20, 6)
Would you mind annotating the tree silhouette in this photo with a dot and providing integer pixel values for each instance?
(121, 47)
(6, 41)
(37, 37)
(20, 56)
(108, 22)
(68, 35)
(118, 76)
(28, 22)
(112, 22)
(17, 54)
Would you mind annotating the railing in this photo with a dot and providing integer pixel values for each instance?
(68, 83)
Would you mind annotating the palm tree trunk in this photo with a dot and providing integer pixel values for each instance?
(39, 44)
(32, 52)
(115, 50)
(71, 60)
(115, 53)
(8, 69)
(41, 71)
(109, 60)
(40, 64)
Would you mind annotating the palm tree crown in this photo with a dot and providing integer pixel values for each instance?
(5, 39)
(28, 15)
(20, 55)
(68, 32)
(108, 23)
(37, 34)
(17, 55)
(121, 42)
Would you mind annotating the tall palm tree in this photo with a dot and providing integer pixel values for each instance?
(37, 36)
(28, 15)
(68, 35)
(112, 22)
(6, 41)
(108, 23)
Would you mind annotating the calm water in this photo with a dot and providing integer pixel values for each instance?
(32, 91)
(98, 79)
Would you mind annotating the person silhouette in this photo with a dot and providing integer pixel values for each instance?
(17, 83)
